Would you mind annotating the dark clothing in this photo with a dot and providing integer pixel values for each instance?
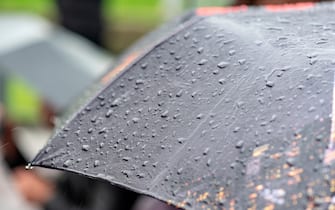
(79, 192)
(83, 17)
(148, 203)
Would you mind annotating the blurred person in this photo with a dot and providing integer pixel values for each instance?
(83, 17)
(1, 123)
(11, 197)
(34, 188)
(25, 184)
(12, 155)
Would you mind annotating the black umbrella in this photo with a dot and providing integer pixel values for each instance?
(231, 111)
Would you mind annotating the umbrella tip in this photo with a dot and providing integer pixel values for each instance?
(29, 166)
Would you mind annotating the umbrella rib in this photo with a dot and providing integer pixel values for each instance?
(175, 156)
(234, 29)
(329, 156)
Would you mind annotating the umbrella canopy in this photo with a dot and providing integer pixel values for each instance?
(229, 111)
(57, 63)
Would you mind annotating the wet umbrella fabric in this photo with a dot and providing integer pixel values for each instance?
(232, 111)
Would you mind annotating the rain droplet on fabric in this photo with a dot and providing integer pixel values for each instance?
(223, 64)
(67, 163)
(165, 114)
(270, 84)
(85, 147)
(239, 144)
(203, 62)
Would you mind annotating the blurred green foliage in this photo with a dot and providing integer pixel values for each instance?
(125, 20)
(132, 10)
(119, 10)
(43, 7)
(148, 12)
(22, 103)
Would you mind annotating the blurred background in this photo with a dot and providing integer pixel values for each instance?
(51, 53)
(124, 21)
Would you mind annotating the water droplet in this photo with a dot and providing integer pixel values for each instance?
(203, 62)
(178, 67)
(67, 163)
(200, 116)
(29, 167)
(126, 173)
(206, 151)
(209, 161)
(102, 130)
(94, 119)
(319, 138)
(179, 93)
(222, 81)
(179, 171)
(47, 150)
(187, 35)
(273, 118)
(313, 61)
(301, 87)
(116, 102)
(223, 64)
(290, 161)
(145, 163)
(242, 61)
(236, 129)
(144, 65)
(139, 82)
(311, 109)
(200, 50)
(165, 114)
(181, 140)
(109, 113)
(96, 163)
(263, 123)
(270, 84)
(240, 104)
(136, 120)
(140, 175)
(239, 144)
(231, 52)
(85, 147)
(126, 158)
(258, 42)
(101, 97)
